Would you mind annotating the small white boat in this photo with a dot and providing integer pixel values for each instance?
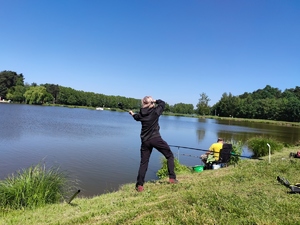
(99, 108)
(4, 101)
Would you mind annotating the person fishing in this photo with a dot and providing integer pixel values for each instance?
(150, 138)
(214, 152)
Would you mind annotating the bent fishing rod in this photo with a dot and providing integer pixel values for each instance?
(205, 150)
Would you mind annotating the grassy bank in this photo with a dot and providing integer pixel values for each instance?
(280, 123)
(245, 194)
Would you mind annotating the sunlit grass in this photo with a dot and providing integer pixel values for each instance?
(247, 193)
(259, 146)
(32, 187)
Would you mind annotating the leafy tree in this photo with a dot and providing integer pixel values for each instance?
(291, 110)
(183, 108)
(64, 94)
(292, 92)
(282, 104)
(167, 108)
(202, 107)
(227, 105)
(37, 95)
(9, 79)
(266, 108)
(16, 93)
(53, 89)
(267, 92)
(288, 93)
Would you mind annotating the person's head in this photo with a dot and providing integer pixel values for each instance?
(147, 102)
(220, 140)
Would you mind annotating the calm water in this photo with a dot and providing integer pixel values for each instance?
(100, 149)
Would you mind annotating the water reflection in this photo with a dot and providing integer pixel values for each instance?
(286, 134)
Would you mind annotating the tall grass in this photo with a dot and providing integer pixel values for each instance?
(260, 148)
(32, 187)
(237, 149)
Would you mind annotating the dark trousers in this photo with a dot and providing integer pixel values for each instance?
(146, 150)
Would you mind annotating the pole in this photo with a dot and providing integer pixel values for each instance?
(197, 149)
(242, 156)
(73, 196)
(269, 152)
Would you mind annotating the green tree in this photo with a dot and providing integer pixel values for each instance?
(9, 79)
(227, 105)
(37, 95)
(202, 107)
(183, 108)
(267, 92)
(16, 93)
(53, 89)
(291, 110)
(266, 108)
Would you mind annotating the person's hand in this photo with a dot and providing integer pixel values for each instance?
(131, 113)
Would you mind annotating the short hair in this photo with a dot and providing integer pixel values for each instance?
(220, 139)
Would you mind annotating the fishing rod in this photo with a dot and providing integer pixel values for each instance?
(248, 157)
(191, 156)
(73, 196)
(199, 149)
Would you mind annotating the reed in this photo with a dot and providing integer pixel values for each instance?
(260, 148)
(32, 187)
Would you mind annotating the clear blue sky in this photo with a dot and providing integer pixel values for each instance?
(171, 49)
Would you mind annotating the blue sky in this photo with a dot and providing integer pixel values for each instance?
(170, 49)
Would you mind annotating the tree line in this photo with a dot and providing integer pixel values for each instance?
(12, 87)
(268, 103)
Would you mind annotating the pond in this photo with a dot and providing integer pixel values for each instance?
(99, 149)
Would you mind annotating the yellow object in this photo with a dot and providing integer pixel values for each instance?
(215, 148)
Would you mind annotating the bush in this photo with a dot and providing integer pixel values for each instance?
(260, 148)
(179, 168)
(237, 149)
(32, 187)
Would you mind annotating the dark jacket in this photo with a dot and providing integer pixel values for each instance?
(149, 119)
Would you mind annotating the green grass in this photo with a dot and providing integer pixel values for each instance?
(247, 193)
(279, 123)
(32, 187)
(178, 168)
(259, 146)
